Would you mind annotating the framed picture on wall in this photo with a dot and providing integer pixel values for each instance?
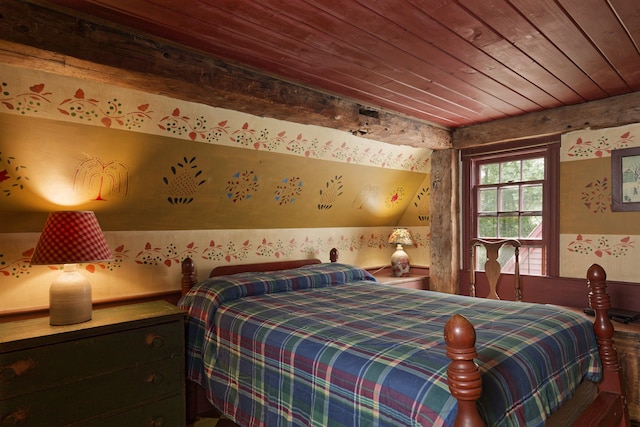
(625, 179)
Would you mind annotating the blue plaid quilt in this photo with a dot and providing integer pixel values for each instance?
(325, 345)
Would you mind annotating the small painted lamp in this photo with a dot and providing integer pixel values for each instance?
(70, 237)
(400, 259)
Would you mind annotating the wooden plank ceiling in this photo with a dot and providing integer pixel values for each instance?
(449, 62)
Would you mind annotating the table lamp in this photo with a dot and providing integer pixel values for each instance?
(400, 259)
(70, 237)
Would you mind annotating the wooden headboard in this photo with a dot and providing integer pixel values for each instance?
(189, 276)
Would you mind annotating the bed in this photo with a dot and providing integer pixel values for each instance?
(308, 343)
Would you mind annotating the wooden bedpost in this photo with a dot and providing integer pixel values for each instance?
(463, 374)
(600, 302)
(188, 275)
(333, 255)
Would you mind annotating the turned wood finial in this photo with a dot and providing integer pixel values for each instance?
(333, 255)
(463, 374)
(188, 275)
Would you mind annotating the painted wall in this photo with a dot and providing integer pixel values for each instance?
(170, 179)
(590, 232)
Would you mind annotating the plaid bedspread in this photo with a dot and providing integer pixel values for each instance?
(327, 346)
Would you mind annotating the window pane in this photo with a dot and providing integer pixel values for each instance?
(532, 260)
(487, 227)
(489, 174)
(510, 171)
(509, 199)
(532, 197)
(533, 169)
(529, 226)
(508, 227)
(488, 200)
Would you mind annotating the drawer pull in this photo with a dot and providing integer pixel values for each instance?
(156, 379)
(19, 367)
(14, 419)
(7, 373)
(158, 422)
(155, 341)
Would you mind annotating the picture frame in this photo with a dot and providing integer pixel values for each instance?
(625, 180)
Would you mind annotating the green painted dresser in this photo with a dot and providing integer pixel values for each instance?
(123, 368)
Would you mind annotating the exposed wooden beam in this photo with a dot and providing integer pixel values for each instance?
(89, 48)
(610, 112)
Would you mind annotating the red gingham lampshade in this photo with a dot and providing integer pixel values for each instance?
(71, 237)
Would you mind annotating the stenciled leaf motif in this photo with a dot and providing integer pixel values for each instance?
(79, 94)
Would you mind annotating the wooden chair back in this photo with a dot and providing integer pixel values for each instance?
(492, 267)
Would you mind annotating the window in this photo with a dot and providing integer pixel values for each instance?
(512, 194)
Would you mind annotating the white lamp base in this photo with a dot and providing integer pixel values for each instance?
(70, 298)
(399, 262)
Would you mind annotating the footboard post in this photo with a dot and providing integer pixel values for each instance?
(463, 374)
(600, 303)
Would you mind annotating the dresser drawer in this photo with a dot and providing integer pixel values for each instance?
(98, 396)
(29, 370)
(164, 413)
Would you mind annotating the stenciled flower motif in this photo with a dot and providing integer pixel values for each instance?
(288, 191)
(597, 196)
(12, 176)
(242, 186)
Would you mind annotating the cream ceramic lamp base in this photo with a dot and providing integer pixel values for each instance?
(399, 262)
(70, 298)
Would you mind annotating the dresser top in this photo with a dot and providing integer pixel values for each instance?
(25, 333)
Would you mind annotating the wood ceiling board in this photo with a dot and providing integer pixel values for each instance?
(554, 92)
(449, 71)
(601, 25)
(557, 26)
(628, 12)
(413, 88)
(408, 73)
(439, 40)
(527, 38)
(461, 22)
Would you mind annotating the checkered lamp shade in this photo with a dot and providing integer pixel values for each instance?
(71, 237)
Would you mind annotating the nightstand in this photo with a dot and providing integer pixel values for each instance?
(124, 367)
(418, 278)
